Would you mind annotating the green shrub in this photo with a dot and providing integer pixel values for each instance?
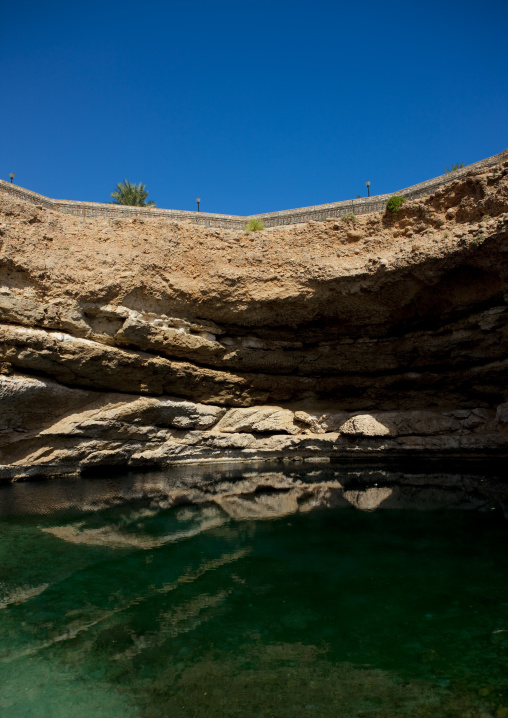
(348, 218)
(254, 225)
(394, 204)
(454, 168)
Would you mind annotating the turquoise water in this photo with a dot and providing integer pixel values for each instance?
(127, 608)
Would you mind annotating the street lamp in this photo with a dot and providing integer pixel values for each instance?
(11, 175)
(368, 188)
(198, 200)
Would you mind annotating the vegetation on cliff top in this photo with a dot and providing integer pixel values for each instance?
(455, 167)
(131, 194)
(348, 218)
(394, 204)
(254, 225)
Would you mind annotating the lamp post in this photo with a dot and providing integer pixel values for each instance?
(11, 175)
(368, 188)
(198, 200)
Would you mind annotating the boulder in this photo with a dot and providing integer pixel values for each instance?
(259, 419)
(366, 425)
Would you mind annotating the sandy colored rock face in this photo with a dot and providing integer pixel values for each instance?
(85, 429)
(366, 425)
(152, 342)
(259, 419)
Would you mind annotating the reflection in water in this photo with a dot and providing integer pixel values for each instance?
(121, 535)
(117, 600)
(20, 594)
(268, 491)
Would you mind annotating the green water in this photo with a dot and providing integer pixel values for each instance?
(136, 610)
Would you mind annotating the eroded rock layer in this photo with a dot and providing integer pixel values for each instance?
(149, 342)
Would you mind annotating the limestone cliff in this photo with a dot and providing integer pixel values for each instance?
(148, 342)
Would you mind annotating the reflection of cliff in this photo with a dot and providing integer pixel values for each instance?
(330, 610)
(209, 497)
(140, 513)
(148, 342)
(122, 536)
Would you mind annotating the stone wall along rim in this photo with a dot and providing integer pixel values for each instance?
(365, 205)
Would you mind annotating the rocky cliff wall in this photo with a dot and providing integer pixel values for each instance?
(148, 342)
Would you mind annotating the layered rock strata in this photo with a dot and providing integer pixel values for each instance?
(149, 342)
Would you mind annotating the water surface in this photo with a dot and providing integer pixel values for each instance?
(129, 607)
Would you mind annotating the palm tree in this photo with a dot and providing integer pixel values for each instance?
(454, 168)
(131, 194)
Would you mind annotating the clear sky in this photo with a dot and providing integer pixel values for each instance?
(252, 106)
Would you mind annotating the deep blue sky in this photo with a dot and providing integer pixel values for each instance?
(253, 106)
